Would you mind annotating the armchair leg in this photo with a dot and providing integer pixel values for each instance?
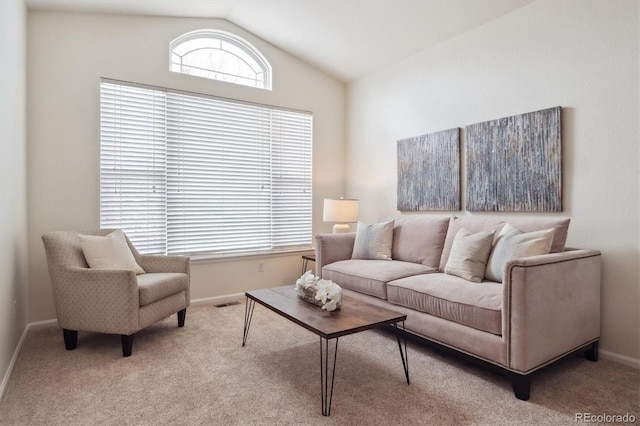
(181, 316)
(127, 345)
(70, 339)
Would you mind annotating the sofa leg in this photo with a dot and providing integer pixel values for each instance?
(521, 386)
(70, 339)
(127, 345)
(592, 353)
(181, 316)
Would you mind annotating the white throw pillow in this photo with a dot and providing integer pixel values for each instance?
(512, 243)
(373, 241)
(469, 254)
(109, 252)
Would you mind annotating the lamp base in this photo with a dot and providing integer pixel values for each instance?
(341, 228)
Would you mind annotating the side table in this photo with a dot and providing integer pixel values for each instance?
(305, 259)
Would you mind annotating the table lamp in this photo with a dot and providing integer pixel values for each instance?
(341, 212)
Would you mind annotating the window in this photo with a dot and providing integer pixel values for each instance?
(183, 173)
(219, 55)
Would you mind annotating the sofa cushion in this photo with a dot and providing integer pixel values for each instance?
(373, 241)
(419, 240)
(512, 243)
(477, 305)
(371, 276)
(469, 255)
(158, 285)
(475, 224)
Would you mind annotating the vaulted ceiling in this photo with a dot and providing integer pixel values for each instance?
(345, 38)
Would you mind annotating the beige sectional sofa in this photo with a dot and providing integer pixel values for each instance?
(546, 307)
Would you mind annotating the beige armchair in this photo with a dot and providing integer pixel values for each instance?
(113, 301)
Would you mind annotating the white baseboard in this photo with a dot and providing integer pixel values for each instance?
(37, 324)
(218, 299)
(7, 375)
(621, 359)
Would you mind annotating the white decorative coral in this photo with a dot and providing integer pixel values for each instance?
(324, 293)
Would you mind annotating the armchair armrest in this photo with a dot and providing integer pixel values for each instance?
(551, 306)
(332, 248)
(157, 263)
(98, 300)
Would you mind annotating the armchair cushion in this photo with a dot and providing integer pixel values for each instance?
(156, 286)
(109, 252)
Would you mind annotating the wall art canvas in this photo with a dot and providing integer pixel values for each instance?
(429, 172)
(515, 163)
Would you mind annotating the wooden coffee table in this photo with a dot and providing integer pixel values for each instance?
(353, 317)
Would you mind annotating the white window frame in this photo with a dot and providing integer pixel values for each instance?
(260, 61)
(161, 178)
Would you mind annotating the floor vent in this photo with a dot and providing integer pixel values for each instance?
(222, 305)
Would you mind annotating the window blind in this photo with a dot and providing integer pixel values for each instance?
(133, 186)
(194, 174)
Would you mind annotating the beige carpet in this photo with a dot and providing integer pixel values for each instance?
(200, 374)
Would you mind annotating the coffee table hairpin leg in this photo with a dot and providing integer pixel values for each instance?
(400, 336)
(326, 387)
(248, 314)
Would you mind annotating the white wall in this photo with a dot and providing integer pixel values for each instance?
(68, 53)
(13, 178)
(578, 54)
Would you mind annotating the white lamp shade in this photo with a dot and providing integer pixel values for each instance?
(340, 211)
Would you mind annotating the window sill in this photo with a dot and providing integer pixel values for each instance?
(196, 259)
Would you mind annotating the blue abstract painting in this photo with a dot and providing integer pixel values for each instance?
(429, 172)
(514, 164)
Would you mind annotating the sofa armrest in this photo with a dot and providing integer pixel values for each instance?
(551, 306)
(333, 248)
(105, 301)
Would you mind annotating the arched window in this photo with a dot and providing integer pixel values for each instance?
(220, 55)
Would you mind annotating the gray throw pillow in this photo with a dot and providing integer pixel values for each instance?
(469, 254)
(512, 243)
(373, 241)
